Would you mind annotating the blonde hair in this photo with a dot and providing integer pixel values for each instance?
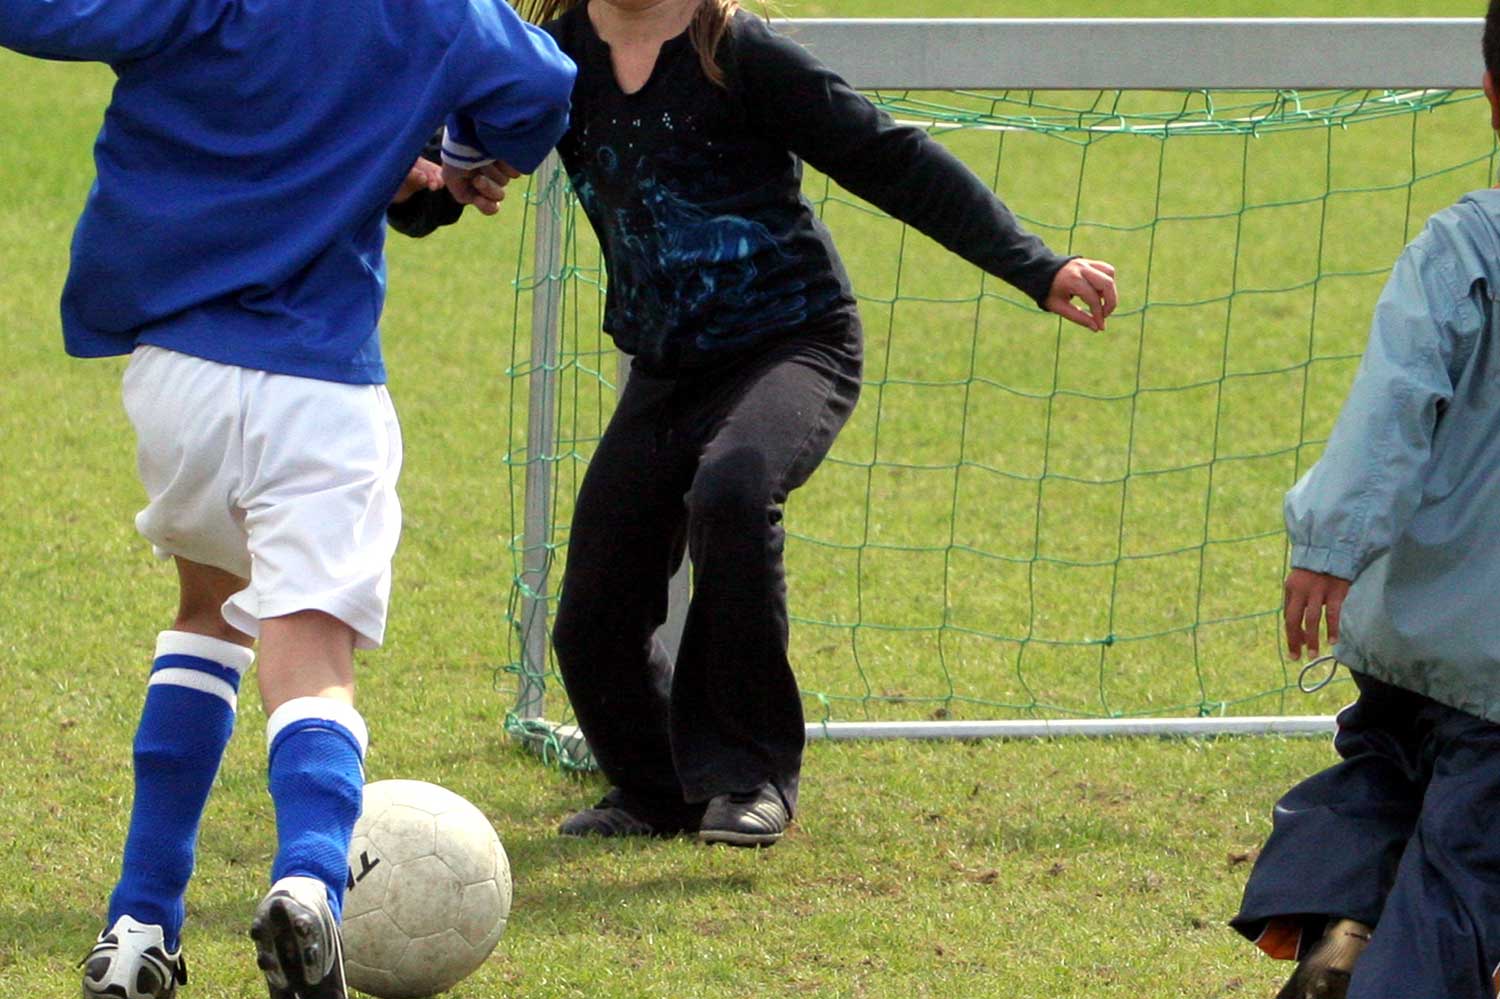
(708, 27)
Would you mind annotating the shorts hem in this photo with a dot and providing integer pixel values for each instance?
(369, 626)
(163, 554)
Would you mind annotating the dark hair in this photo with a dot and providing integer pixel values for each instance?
(1492, 40)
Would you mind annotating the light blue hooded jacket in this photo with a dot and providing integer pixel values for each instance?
(1405, 500)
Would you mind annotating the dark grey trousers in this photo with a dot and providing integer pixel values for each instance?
(702, 462)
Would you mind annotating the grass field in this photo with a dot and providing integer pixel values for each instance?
(1033, 870)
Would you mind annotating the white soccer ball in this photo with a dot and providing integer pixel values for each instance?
(429, 891)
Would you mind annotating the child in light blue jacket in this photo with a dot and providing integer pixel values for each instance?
(1382, 873)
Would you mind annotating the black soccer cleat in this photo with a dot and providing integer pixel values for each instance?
(297, 943)
(754, 818)
(612, 819)
(607, 820)
(1324, 972)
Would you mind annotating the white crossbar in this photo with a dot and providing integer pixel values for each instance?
(1148, 53)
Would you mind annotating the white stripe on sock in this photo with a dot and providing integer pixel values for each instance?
(319, 709)
(198, 680)
(215, 650)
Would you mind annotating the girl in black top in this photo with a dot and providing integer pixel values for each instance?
(690, 122)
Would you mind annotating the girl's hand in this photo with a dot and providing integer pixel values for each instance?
(484, 187)
(424, 175)
(1091, 281)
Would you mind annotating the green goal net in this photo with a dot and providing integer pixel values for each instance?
(1024, 520)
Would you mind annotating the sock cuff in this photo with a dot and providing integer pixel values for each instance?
(326, 712)
(197, 662)
(215, 650)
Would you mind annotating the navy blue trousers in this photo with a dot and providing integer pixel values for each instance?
(701, 462)
(1402, 834)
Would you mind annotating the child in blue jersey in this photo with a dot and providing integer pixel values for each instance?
(691, 119)
(1381, 875)
(245, 278)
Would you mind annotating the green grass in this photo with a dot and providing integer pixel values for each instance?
(1033, 870)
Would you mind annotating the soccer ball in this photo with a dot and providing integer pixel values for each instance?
(428, 891)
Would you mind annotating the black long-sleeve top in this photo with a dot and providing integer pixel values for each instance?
(695, 191)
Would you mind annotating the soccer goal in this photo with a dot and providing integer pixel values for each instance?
(1027, 529)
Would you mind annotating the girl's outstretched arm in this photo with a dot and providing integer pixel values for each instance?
(803, 104)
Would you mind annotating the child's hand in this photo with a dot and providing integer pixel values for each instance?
(424, 175)
(484, 187)
(1092, 281)
(1309, 596)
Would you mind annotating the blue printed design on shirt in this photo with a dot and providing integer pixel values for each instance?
(678, 266)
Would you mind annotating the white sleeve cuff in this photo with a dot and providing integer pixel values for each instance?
(462, 157)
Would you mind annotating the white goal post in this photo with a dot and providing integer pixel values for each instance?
(1018, 54)
(1149, 53)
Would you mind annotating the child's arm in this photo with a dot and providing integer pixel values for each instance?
(87, 30)
(1358, 498)
(422, 204)
(514, 107)
(898, 168)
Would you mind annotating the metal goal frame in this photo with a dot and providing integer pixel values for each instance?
(996, 54)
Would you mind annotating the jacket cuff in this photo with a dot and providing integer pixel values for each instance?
(1328, 561)
(1037, 283)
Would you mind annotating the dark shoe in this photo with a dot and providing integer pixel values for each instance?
(754, 818)
(610, 820)
(1324, 972)
(297, 942)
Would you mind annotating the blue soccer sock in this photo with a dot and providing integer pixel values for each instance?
(317, 751)
(184, 728)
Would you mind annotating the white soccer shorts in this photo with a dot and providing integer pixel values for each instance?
(287, 482)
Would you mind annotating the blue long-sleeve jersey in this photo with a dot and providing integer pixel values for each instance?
(211, 229)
